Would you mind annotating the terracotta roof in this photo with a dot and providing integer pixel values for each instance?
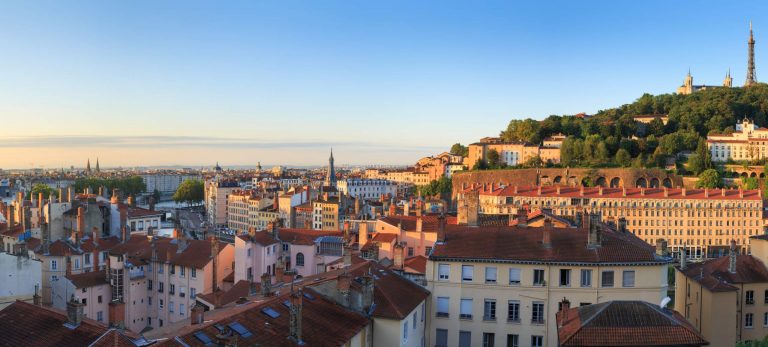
(303, 236)
(714, 275)
(395, 296)
(60, 248)
(29, 325)
(417, 264)
(88, 279)
(624, 323)
(263, 238)
(113, 338)
(384, 237)
(428, 222)
(138, 212)
(222, 298)
(516, 244)
(317, 328)
(631, 193)
(197, 253)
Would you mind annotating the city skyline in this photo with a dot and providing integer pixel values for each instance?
(282, 83)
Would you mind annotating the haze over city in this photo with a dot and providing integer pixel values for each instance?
(282, 83)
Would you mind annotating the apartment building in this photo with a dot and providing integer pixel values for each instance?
(726, 299)
(704, 220)
(154, 280)
(366, 189)
(217, 191)
(165, 183)
(326, 214)
(405, 176)
(492, 285)
(514, 153)
(441, 165)
(247, 209)
(748, 142)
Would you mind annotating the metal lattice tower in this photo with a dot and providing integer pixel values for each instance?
(751, 76)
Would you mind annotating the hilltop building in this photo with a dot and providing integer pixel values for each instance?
(748, 142)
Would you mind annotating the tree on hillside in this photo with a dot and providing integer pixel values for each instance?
(701, 160)
(441, 188)
(522, 130)
(42, 188)
(750, 183)
(623, 158)
(190, 192)
(493, 158)
(458, 149)
(710, 178)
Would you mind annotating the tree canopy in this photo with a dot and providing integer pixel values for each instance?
(42, 188)
(710, 178)
(133, 185)
(441, 187)
(190, 192)
(459, 149)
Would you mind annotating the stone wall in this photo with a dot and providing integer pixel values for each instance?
(609, 177)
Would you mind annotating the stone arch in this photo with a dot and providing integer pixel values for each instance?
(586, 181)
(743, 175)
(667, 182)
(753, 175)
(654, 182)
(544, 180)
(600, 181)
(557, 179)
(641, 183)
(572, 180)
(762, 175)
(616, 182)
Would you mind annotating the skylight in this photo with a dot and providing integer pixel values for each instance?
(309, 296)
(240, 329)
(203, 338)
(270, 312)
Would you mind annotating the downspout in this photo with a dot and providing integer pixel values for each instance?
(739, 313)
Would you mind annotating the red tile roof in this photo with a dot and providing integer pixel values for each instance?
(568, 245)
(624, 323)
(429, 223)
(113, 338)
(417, 264)
(25, 324)
(222, 298)
(395, 296)
(303, 236)
(714, 275)
(88, 279)
(197, 253)
(324, 323)
(631, 193)
(60, 248)
(263, 238)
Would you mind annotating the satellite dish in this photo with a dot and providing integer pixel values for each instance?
(665, 302)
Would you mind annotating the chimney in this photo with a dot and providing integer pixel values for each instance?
(419, 224)
(74, 313)
(594, 237)
(522, 217)
(600, 190)
(346, 231)
(226, 338)
(70, 194)
(130, 201)
(61, 194)
(581, 191)
(407, 207)
(347, 256)
(682, 191)
(733, 254)
(367, 293)
(40, 203)
(95, 236)
(362, 231)
(558, 190)
(80, 222)
(117, 314)
(683, 258)
(623, 191)
(266, 284)
(622, 224)
(181, 241)
(295, 317)
(538, 190)
(441, 228)
(661, 247)
(706, 192)
(722, 191)
(741, 193)
(398, 255)
(642, 191)
(514, 190)
(546, 240)
(392, 209)
(125, 235)
(565, 305)
(101, 190)
(215, 259)
(666, 192)
(11, 216)
(68, 271)
(115, 196)
(198, 314)
(151, 203)
(343, 283)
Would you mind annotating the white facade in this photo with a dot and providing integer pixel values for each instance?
(20, 276)
(368, 189)
(165, 183)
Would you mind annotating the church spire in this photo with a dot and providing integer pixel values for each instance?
(88, 167)
(751, 78)
(97, 165)
(728, 82)
(330, 179)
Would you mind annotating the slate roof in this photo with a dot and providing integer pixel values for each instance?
(714, 275)
(624, 323)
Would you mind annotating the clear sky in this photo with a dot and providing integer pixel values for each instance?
(280, 82)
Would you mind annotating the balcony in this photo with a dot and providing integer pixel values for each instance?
(136, 274)
(465, 316)
(181, 295)
(442, 314)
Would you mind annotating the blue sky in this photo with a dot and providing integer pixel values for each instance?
(193, 82)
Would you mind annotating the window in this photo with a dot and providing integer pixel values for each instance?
(465, 339)
(192, 293)
(405, 331)
(513, 311)
(514, 277)
(466, 272)
(100, 316)
(537, 341)
(513, 340)
(77, 263)
(181, 309)
(415, 318)
(441, 339)
(537, 312)
(410, 251)
(628, 278)
(490, 274)
(443, 272)
(160, 303)
(299, 259)
(442, 307)
(172, 269)
(607, 280)
(149, 284)
(159, 287)
(98, 299)
(149, 301)
(465, 310)
(173, 289)
(85, 301)
(766, 296)
(489, 309)
(427, 250)
(193, 272)
(182, 271)
(765, 319)
(182, 292)
(748, 320)
(586, 278)
(170, 306)
(488, 339)
(423, 311)
(160, 268)
(538, 277)
(565, 277)
(88, 259)
(249, 252)
(750, 297)
(54, 265)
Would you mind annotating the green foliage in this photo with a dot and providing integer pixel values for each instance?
(190, 192)
(701, 160)
(534, 162)
(156, 194)
(759, 343)
(459, 149)
(133, 185)
(710, 178)
(522, 130)
(750, 183)
(44, 188)
(493, 159)
(623, 158)
(441, 187)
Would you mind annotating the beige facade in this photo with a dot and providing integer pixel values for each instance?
(216, 193)
(748, 142)
(325, 214)
(513, 153)
(704, 220)
(409, 176)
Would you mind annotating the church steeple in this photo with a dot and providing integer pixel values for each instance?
(751, 77)
(728, 81)
(97, 165)
(330, 178)
(88, 167)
